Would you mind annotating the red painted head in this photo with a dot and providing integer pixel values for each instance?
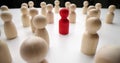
(64, 12)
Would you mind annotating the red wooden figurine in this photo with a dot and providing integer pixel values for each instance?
(64, 22)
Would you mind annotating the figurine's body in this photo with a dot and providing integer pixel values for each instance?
(85, 7)
(33, 12)
(40, 22)
(98, 6)
(43, 8)
(50, 15)
(57, 7)
(9, 27)
(72, 14)
(25, 16)
(110, 14)
(89, 43)
(5, 56)
(90, 37)
(108, 54)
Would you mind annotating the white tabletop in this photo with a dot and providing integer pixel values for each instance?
(64, 48)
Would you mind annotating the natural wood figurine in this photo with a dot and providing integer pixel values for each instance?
(85, 7)
(34, 49)
(92, 13)
(33, 12)
(89, 43)
(90, 7)
(57, 7)
(110, 14)
(50, 15)
(25, 16)
(72, 14)
(93, 24)
(67, 4)
(108, 54)
(5, 56)
(98, 6)
(90, 37)
(4, 8)
(31, 4)
(9, 27)
(43, 8)
(40, 22)
(24, 4)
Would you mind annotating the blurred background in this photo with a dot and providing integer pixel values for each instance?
(79, 3)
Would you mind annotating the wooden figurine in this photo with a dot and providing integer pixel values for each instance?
(9, 27)
(34, 49)
(50, 15)
(85, 7)
(89, 43)
(57, 7)
(93, 24)
(5, 56)
(72, 14)
(64, 22)
(98, 6)
(90, 7)
(4, 8)
(110, 14)
(92, 13)
(108, 54)
(31, 4)
(33, 12)
(90, 37)
(40, 22)
(67, 4)
(25, 16)
(43, 8)
(24, 4)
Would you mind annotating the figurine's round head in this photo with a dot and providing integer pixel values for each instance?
(93, 24)
(91, 7)
(34, 49)
(108, 54)
(31, 3)
(85, 3)
(112, 8)
(49, 7)
(24, 10)
(98, 5)
(64, 12)
(72, 7)
(4, 8)
(93, 13)
(24, 4)
(39, 21)
(33, 12)
(6, 16)
(67, 4)
(57, 2)
(43, 4)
